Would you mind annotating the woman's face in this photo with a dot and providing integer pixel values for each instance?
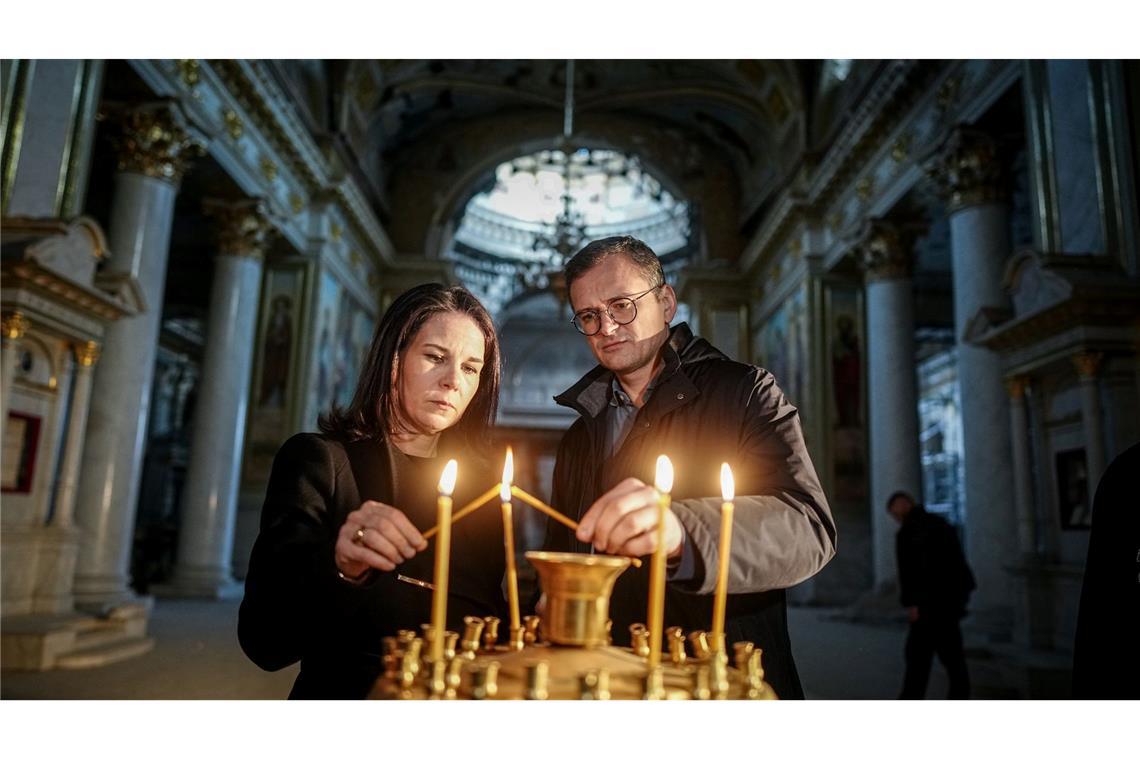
(439, 372)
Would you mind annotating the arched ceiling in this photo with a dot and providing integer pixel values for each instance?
(746, 117)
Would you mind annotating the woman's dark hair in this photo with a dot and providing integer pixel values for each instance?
(373, 412)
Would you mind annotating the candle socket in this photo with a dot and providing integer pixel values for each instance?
(718, 675)
(742, 652)
(516, 640)
(473, 629)
(676, 637)
(700, 642)
(450, 639)
(639, 639)
(701, 688)
(530, 629)
(437, 685)
(537, 675)
(490, 633)
(453, 678)
(654, 684)
(484, 681)
(594, 684)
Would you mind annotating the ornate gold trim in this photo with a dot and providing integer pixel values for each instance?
(268, 168)
(188, 69)
(900, 151)
(244, 228)
(296, 203)
(885, 251)
(235, 127)
(14, 325)
(153, 142)
(865, 188)
(86, 354)
(967, 169)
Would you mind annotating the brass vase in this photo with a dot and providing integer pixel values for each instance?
(577, 588)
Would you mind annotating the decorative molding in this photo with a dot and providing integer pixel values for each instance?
(967, 169)
(86, 354)
(154, 141)
(886, 250)
(235, 126)
(14, 325)
(244, 228)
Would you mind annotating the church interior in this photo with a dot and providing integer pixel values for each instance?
(938, 260)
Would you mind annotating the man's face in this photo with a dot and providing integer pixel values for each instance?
(900, 508)
(624, 348)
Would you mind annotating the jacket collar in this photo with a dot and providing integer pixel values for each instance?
(590, 395)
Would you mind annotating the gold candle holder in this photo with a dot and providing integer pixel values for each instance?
(509, 542)
(530, 629)
(442, 559)
(727, 488)
(664, 484)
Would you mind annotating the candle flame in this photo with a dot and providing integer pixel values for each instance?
(727, 485)
(664, 480)
(447, 479)
(508, 476)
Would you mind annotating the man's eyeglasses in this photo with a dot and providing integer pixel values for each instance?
(622, 311)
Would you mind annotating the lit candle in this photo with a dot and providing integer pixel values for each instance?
(727, 488)
(442, 558)
(509, 542)
(664, 484)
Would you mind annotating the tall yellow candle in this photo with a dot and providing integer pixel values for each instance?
(509, 542)
(727, 488)
(442, 559)
(656, 623)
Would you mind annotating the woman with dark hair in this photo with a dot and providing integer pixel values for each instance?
(345, 509)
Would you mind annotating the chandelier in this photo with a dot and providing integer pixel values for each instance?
(556, 245)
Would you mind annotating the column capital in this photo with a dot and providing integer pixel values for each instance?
(86, 354)
(885, 250)
(967, 170)
(244, 228)
(14, 325)
(154, 141)
(1088, 363)
(1017, 386)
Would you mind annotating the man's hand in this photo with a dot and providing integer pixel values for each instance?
(377, 536)
(623, 521)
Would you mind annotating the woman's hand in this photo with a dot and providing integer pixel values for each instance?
(375, 536)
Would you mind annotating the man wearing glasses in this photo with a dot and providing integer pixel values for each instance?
(661, 390)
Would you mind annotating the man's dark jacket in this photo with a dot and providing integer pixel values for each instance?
(933, 574)
(705, 410)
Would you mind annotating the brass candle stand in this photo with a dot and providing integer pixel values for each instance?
(565, 654)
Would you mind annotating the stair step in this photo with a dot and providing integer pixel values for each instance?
(105, 654)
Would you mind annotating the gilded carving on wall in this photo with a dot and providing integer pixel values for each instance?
(885, 250)
(154, 142)
(967, 170)
(86, 354)
(243, 228)
(14, 325)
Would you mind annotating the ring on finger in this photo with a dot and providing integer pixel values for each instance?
(358, 539)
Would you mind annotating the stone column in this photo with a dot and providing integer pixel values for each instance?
(209, 503)
(896, 460)
(13, 327)
(153, 149)
(1022, 471)
(971, 178)
(86, 354)
(1088, 370)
